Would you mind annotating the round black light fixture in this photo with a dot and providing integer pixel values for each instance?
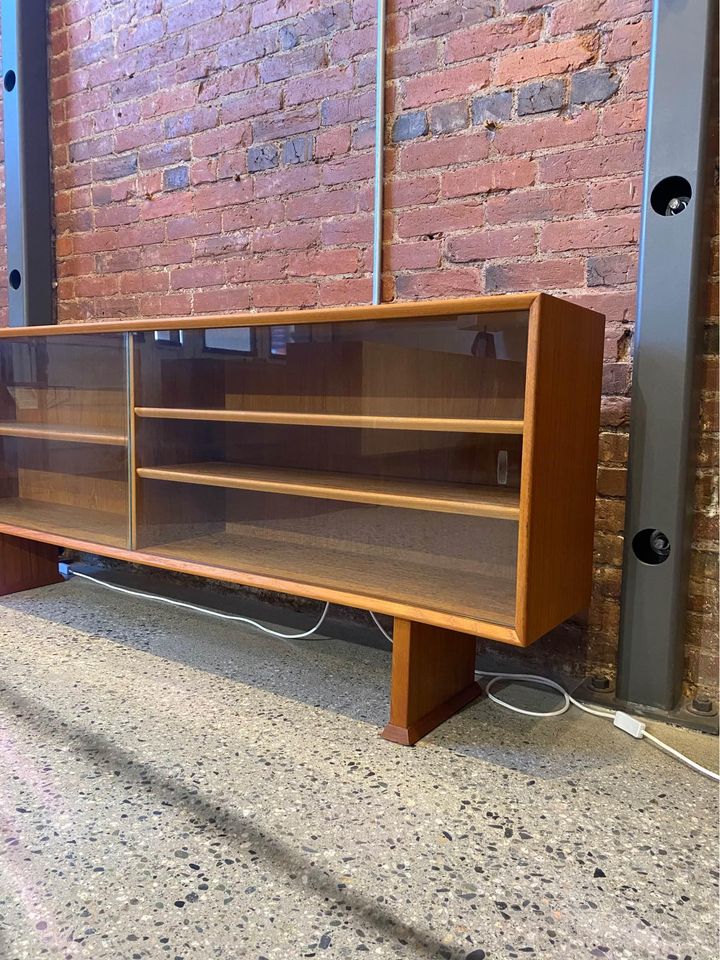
(651, 546)
(670, 196)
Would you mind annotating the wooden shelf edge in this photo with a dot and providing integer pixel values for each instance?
(64, 433)
(356, 421)
(409, 495)
(498, 303)
(479, 628)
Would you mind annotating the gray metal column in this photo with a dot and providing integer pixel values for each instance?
(24, 26)
(664, 403)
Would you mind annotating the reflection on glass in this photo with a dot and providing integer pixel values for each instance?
(469, 366)
(449, 563)
(230, 340)
(172, 338)
(279, 337)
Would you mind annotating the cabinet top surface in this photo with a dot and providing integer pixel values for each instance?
(384, 311)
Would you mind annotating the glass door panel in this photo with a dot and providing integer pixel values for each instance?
(63, 435)
(381, 458)
(451, 563)
(460, 369)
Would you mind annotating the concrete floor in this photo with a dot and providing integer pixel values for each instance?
(171, 786)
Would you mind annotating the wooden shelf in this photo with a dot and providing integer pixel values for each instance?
(354, 570)
(445, 425)
(468, 499)
(81, 522)
(53, 431)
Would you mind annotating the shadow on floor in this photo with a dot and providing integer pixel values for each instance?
(347, 678)
(324, 671)
(277, 855)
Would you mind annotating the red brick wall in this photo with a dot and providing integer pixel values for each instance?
(216, 155)
(701, 645)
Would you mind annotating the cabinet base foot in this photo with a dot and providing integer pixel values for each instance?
(433, 677)
(26, 564)
(407, 736)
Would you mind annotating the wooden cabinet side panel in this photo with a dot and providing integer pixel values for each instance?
(559, 467)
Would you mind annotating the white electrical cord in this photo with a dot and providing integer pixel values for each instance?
(544, 681)
(380, 627)
(207, 610)
(681, 756)
(621, 720)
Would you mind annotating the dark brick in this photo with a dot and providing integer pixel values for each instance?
(438, 24)
(616, 379)
(201, 118)
(363, 135)
(262, 158)
(593, 86)
(288, 38)
(253, 46)
(297, 150)
(161, 154)
(541, 96)
(408, 126)
(711, 346)
(448, 117)
(176, 178)
(113, 168)
(324, 22)
(87, 149)
(448, 16)
(494, 106)
(611, 270)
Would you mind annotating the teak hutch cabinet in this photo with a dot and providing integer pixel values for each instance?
(433, 461)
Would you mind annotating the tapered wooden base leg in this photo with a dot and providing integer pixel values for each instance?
(25, 564)
(433, 676)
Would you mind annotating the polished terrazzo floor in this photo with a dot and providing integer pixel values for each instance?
(174, 787)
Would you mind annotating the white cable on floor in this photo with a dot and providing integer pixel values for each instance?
(680, 756)
(621, 720)
(207, 610)
(544, 681)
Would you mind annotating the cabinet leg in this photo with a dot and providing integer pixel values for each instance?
(25, 564)
(433, 676)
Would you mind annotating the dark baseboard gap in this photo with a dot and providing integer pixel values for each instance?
(284, 610)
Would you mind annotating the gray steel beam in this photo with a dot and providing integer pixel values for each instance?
(24, 25)
(664, 401)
